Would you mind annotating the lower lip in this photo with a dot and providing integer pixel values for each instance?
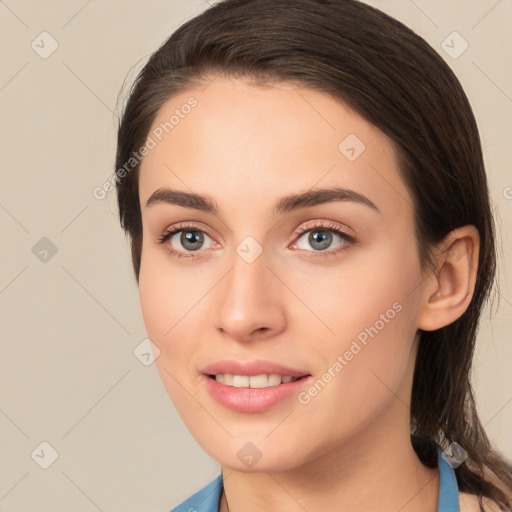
(253, 399)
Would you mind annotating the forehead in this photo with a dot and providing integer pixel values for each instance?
(253, 144)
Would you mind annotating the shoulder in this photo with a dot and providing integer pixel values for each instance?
(469, 503)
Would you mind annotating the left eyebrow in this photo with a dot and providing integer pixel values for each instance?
(321, 196)
(284, 205)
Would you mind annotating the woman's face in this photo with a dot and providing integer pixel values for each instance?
(298, 260)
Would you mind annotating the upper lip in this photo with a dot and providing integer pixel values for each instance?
(254, 367)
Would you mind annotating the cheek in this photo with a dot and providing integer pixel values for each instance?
(155, 302)
(165, 293)
(350, 297)
(371, 313)
(166, 303)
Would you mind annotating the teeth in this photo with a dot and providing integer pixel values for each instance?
(253, 381)
(274, 380)
(258, 381)
(241, 381)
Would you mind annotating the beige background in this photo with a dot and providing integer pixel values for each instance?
(70, 324)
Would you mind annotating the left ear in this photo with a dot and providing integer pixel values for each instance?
(448, 291)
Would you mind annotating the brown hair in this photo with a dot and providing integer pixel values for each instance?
(394, 79)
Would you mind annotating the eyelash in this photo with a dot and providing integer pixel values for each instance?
(317, 226)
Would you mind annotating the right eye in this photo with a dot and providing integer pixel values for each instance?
(189, 237)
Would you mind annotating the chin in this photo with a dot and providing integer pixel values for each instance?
(254, 457)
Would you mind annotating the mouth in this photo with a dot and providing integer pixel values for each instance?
(254, 393)
(254, 381)
(253, 385)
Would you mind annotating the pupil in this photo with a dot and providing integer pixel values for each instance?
(324, 239)
(191, 237)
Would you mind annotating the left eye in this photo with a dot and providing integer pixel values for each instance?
(322, 238)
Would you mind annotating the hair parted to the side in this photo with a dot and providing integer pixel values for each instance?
(395, 80)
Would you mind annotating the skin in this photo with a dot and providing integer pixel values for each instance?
(246, 146)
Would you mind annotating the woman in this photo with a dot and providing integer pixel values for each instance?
(303, 186)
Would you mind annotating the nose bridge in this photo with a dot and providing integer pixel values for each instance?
(249, 298)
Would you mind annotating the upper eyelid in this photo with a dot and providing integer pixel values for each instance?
(325, 224)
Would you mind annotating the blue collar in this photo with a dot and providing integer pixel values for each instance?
(448, 488)
(207, 499)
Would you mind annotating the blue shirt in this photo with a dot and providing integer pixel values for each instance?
(207, 499)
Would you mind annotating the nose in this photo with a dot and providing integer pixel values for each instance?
(250, 301)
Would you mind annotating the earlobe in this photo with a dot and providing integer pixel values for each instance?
(448, 291)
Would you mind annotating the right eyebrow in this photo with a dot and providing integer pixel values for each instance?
(180, 198)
